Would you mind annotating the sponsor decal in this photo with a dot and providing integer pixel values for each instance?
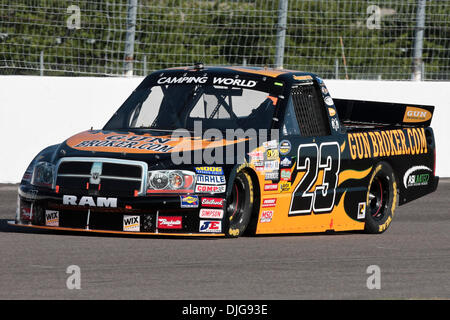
(170, 222)
(329, 101)
(335, 124)
(324, 90)
(259, 165)
(105, 141)
(271, 165)
(212, 202)
(361, 210)
(52, 218)
(217, 171)
(269, 202)
(374, 144)
(179, 80)
(201, 188)
(201, 80)
(25, 213)
(272, 144)
(256, 156)
(234, 82)
(285, 186)
(414, 114)
(189, 201)
(131, 143)
(211, 213)
(271, 187)
(285, 147)
(416, 176)
(286, 174)
(286, 162)
(331, 112)
(131, 223)
(272, 175)
(89, 201)
(302, 77)
(266, 216)
(272, 154)
(210, 179)
(210, 226)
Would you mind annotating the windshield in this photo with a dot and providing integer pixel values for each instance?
(174, 106)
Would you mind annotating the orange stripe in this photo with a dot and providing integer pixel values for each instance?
(120, 232)
(265, 72)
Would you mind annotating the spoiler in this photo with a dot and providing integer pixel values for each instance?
(383, 113)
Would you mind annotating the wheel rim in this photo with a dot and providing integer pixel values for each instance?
(378, 198)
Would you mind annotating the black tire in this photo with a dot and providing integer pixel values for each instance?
(382, 199)
(240, 205)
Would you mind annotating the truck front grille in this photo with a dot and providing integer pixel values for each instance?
(101, 176)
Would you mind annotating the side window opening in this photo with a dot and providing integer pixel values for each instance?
(290, 124)
(310, 112)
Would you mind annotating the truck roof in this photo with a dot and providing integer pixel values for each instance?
(262, 71)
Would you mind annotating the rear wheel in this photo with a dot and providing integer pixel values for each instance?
(240, 205)
(382, 199)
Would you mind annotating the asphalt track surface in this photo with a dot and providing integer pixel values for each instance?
(413, 257)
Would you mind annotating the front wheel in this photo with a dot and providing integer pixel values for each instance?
(382, 199)
(240, 205)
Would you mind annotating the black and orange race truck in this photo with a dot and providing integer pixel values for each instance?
(223, 151)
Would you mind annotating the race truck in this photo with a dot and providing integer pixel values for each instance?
(227, 151)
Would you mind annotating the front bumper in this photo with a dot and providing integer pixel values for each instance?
(142, 215)
(161, 234)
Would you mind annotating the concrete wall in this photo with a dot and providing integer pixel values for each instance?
(36, 112)
(427, 93)
(39, 111)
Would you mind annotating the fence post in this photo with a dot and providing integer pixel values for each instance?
(129, 38)
(145, 65)
(336, 69)
(41, 63)
(418, 41)
(281, 33)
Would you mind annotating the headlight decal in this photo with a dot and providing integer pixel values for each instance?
(43, 174)
(174, 181)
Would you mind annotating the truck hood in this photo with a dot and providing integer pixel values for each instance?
(155, 144)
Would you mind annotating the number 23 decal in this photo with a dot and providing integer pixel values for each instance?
(312, 158)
